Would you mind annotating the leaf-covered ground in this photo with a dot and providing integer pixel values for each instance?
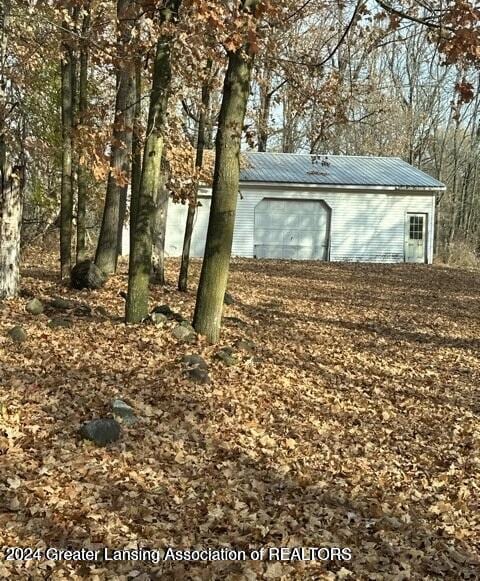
(355, 424)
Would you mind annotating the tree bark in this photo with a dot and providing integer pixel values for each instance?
(157, 275)
(66, 200)
(192, 206)
(266, 95)
(82, 180)
(136, 144)
(11, 207)
(10, 183)
(115, 199)
(141, 227)
(214, 275)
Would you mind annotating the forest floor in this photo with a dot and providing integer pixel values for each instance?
(354, 424)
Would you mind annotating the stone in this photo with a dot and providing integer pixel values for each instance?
(17, 334)
(193, 360)
(198, 375)
(246, 346)
(61, 304)
(184, 333)
(59, 323)
(86, 274)
(101, 431)
(34, 307)
(158, 319)
(228, 299)
(226, 356)
(167, 311)
(82, 311)
(124, 411)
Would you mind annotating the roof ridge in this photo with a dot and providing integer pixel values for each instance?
(322, 154)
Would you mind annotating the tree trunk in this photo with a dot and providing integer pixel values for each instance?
(66, 201)
(10, 184)
(214, 275)
(141, 227)
(266, 95)
(11, 206)
(82, 180)
(106, 256)
(136, 144)
(157, 275)
(192, 206)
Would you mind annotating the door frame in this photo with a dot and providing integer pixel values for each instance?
(406, 236)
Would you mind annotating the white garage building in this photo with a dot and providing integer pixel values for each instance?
(336, 208)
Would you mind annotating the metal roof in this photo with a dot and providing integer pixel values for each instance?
(288, 168)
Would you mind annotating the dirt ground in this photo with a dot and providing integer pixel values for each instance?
(355, 423)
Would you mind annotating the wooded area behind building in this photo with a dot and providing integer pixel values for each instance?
(101, 98)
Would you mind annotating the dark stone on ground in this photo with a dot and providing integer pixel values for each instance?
(60, 323)
(82, 311)
(101, 431)
(167, 311)
(184, 333)
(194, 360)
(17, 334)
(124, 411)
(228, 299)
(226, 356)
(61, 304)
(158, 319)
(200, 376)
(34, 307)
(87, 275)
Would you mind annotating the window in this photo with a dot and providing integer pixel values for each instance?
(416, 228)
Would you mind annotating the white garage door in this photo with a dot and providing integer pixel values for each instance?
(292, 229)
(176, 219)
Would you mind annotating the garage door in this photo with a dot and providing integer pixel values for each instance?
(291, 229)
(176, 219)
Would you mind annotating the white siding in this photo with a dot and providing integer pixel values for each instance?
(176, 220)
(365, 226)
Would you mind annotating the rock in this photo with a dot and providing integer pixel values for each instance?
(193, 360)
(200, 376)
(87, 275)
(17, 334)
(167, 311)
(61, 304)
(34, 307)
(158, 319)
(59, 323)
(124, 411)
(228, 299)
(226, 356)
(246, 346)
(101, 431)
(184, 333)
(82, 311)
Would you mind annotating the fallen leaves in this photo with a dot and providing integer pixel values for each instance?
(356, 424)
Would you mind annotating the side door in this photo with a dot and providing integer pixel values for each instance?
(416, 238)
